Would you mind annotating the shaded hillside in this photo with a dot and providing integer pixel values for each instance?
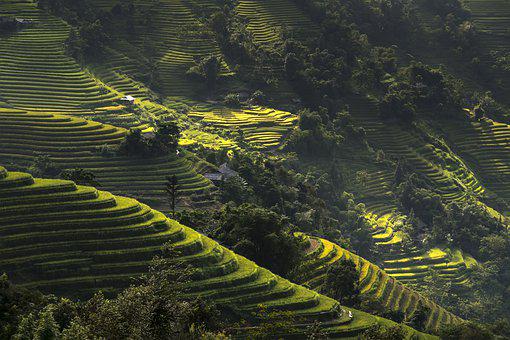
(374, 283)
(74, 240)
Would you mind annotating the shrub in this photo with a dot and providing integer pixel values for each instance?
(258, 98)
(379, 332)
(232, 100)
(80, 176)
(164, 141)
(206, 69)
(43, 166)
(342, 283)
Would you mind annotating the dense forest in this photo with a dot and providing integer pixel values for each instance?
(207, 169)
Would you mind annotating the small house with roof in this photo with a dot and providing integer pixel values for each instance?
(12, 23)
(128, 100)
(224, 172)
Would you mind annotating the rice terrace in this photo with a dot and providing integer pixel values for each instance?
(254, 169)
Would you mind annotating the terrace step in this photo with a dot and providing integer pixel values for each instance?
(374, 282)
(116, 238)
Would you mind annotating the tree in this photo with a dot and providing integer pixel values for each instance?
(261, 235)
(46, 327)
(208, 69)
(314, 138)
(271, 323)
(77, 331)
(94, 38)
(378, 332)
(153, 308)
(398, 102)
(38, 326)
(26, 328)
(134, 144)
(80, 176)
(465, 331)
(166, 139)
(235, 189)
(43, 166)
(342, 282)
(466, 225)
(74, 45)
(172, 192)
(362, 177)
(16, 302)
(418, 320)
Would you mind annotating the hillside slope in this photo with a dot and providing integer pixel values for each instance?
(77, 143)
(374, 283)
(74, 240)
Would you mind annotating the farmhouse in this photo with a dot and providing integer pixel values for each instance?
(129, 100)
(224, 173)
(12, 23)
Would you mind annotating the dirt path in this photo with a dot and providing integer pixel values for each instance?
(314, 244)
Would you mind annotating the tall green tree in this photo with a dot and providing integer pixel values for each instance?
(342, 283)
(172, 192)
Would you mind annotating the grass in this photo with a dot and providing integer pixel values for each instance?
(266, 18)
(261, 127)
(374, 282)
(73, 240)
(75, 142)
(485, 145)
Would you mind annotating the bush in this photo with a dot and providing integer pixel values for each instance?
(342, 283)
(465, 331)
(313, 138)
(398, 103)
(164, 141)
(206, 69)
(258, 98)
(379, 332)
(232, 100)
(80, 176)
(43, 166)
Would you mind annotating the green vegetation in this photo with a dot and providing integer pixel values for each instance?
(379, 292)
(75, 142)
(75, 240)
(252, 231)
(154, 308)
(381, 126)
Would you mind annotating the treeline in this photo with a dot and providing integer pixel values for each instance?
(469, 226)
(153, 308)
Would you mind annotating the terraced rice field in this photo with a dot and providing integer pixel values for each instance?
(414, 264)
(74, 240)
(119, 72)
(449, 176)
(492, 21)
(449, 265)
(409, 265)
(75, 142)
(192, 137)
(377, 191)
(261, 127)
(178, 47)
(35, 73)
(485, 146)
(176, 32)
(374, 282)
(265, 18)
